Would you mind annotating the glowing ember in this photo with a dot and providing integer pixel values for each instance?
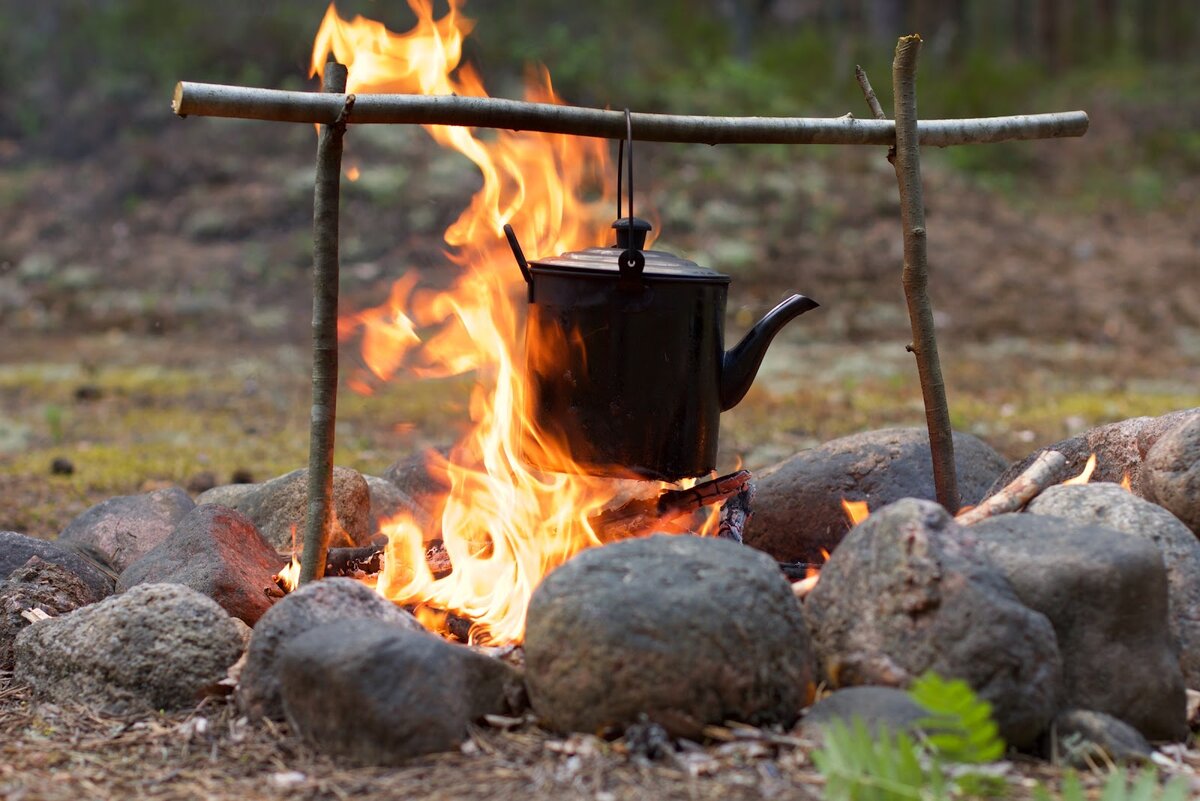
(1086, 475)
(1126, 484)
(856, 511)
(504, 526)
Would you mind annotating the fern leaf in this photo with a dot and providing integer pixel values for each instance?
(858, 767)
(959, 727)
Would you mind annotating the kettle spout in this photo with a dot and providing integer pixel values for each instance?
(740, 365)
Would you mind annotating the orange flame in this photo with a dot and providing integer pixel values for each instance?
(856, 511)
(289, 577)
(1086, 474)
(503, 525)
(1126, 484)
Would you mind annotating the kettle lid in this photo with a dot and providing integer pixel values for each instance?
(604, 261)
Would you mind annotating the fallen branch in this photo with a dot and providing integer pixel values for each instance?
(1045, 471)
(215, 100)
(326, 198)
(916, 272)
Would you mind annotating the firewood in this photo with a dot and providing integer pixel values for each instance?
(637, 517)
(1045, 471)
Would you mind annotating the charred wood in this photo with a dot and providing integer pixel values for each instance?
(639, 516)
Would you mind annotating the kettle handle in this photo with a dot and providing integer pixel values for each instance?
(518, 254)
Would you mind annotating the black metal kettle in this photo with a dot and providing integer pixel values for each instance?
(625, 362)
(627, 373)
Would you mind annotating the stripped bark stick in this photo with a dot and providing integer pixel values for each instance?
(215, 100)
(916, 272)
(1046, 471)
(326, 198)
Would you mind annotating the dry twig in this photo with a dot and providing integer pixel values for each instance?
(1045, 471)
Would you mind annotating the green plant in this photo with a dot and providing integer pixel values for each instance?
(1120, 787)
(960, 726)
(889, 767)
(945, 763)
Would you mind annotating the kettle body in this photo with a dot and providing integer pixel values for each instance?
(626, 371)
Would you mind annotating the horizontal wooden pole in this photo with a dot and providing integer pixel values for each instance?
(214, 100)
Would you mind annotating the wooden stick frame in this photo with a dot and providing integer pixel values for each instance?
(330, 108)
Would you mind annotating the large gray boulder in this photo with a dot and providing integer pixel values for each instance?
(684, 630)
(332, 600)
(217, 552)
(1111, 506)
(279, 508)
(798, 508)
(1171, 472)
(41, 585)
(16, 549)
(158, 646)
(1105, 593)
(909, 590)
(125, 528)
(1120, 449)
(380, 693)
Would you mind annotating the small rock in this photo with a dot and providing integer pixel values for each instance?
(379, 693)
(279, 508)
(1105, 593)
(1171, 472)
(16, 549)
(1111, 506)
(158, 646)
(241, 476)
(88, 392)
(684, 630)
(878, 707)
(909, 590)
(37, 584)
(798, 508)
(202, 481)
(326, 601)
(127, 527)
(218, 553)
(62, 466)
(1084, 739)
(419, 477)
(1120, 449)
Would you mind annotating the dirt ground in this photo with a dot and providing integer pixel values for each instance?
(52, 752)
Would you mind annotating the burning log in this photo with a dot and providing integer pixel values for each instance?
(366, 560)
(638, 516)
(215, 100)
(1045, 471)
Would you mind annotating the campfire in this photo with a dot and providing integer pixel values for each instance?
(503, 524)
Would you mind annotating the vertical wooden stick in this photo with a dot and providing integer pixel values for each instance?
(326, 198)
(916, 271)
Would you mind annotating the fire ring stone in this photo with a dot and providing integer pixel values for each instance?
(687, 631)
